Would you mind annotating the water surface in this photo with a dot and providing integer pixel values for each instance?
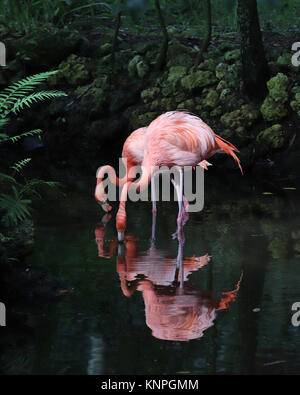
(128, 314)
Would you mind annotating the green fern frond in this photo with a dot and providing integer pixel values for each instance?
(14, 139)
(3, 122)
(35, 97)
(19, 89)
(18, 166)
(15, 208)
(7, 178)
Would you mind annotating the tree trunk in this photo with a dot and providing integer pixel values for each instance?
(207, 37)
(162, 56)
(115, 40)
(254, 63)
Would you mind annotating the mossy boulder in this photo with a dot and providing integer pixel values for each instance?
(94, 96)
(168, 104)
(229, 73)
(295, 104)
(270, 139)
(176, 73)
(208, 64)
(139, 119)
(273, 111)
(148, 95)
(73, 71)
(47, 46)
(105, 49)
(198, 80)
(211, 100)
(188, 105)
(180, 55)
(221, 86)
(278, 88)
(137, 67)
(232, 56)
(241, 119)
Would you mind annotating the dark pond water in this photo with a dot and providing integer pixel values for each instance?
(128, 314)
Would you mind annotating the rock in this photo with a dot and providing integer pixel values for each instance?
(271, 138)
(105, 49)
(138, 120)
(241, 119)
(197, 80)
(295, 104)
(168, 104)
(221, 86)
(176, 73)
(94, 96)
(208, 64)
(211, 100)
(277, 87)
(273, 111)
(73, 71)
(138, 67)
(188, 105)
(142, 69)
(47, 46)
(150, 94)
(132, 65)
(216, 112)
(180, 55)
(232, 56)
(229, 73)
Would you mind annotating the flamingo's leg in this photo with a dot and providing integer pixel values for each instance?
(153, 194)
(179, 191)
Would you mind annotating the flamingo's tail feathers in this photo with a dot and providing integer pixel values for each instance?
(229, 149)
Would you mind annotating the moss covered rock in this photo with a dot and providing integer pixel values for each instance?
(211, 100)
(278, 88)
(94, 96)
(188, 105)
(198, 80)
(271, 138)
(180, 55)
(150, 94)
(241, 119)
(73, 71)
(137, 67)
(232, 56)
(273, 111)
(176, 73)
(229, 73)
(139, 119)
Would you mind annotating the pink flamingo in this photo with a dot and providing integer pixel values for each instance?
(174, 139)
(132, 156)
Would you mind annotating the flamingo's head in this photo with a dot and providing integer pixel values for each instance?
(120, 225)
(101, 198)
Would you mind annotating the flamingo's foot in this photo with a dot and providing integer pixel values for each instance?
(204, 164)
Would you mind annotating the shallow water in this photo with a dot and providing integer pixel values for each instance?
(129, 313)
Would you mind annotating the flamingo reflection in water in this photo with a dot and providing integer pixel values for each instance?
(174, 308)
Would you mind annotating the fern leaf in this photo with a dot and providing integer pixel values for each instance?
(35, 97)
(18, 166)
(35, 132)
(20, 89)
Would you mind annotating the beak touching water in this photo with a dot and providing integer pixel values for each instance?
(105, 206)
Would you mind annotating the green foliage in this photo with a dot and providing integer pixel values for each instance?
(16, 209)
(14, 204)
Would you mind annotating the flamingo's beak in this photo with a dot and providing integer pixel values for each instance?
(105, 206)
(120, 236)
